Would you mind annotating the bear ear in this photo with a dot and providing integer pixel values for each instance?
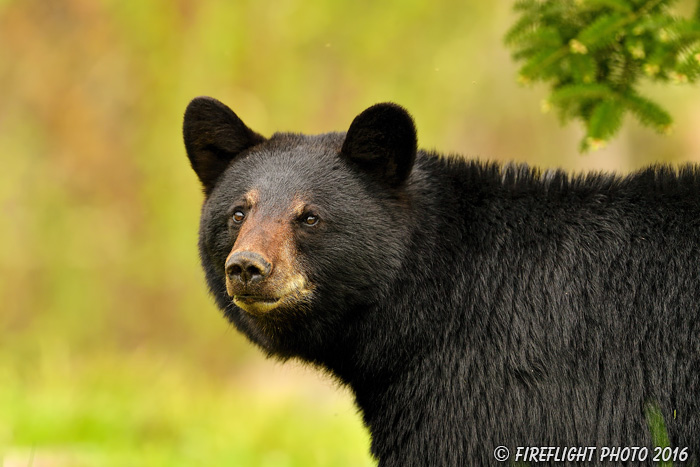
(382, 141)
(214, 136)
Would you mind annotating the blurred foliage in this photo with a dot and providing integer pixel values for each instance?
(657, 428)
(111, 352)
(594, 53)
(122, 410)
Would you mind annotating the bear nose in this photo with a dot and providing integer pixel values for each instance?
(247, 266)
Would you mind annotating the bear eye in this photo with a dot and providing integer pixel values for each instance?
(238, 216)
(310, 219)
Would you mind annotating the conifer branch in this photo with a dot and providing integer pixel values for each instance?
(594, 53)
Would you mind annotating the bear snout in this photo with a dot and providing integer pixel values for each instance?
(247, 267)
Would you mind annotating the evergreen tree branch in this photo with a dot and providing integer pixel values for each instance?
(594, 53)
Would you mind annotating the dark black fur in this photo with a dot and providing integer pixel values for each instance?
(470, 305)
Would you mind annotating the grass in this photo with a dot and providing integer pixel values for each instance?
(145, 409)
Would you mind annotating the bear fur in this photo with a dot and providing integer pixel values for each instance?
(468, 305)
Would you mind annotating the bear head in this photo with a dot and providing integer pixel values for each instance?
(299, 234)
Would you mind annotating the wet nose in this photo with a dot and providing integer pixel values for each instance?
(247, 267)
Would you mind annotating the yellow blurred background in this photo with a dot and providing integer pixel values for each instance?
(111, 351)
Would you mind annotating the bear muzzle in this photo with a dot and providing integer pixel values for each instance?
(247, 267)
(250, 284)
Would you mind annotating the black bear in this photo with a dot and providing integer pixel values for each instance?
(479, 312)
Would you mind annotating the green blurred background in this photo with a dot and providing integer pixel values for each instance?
(111, 351)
